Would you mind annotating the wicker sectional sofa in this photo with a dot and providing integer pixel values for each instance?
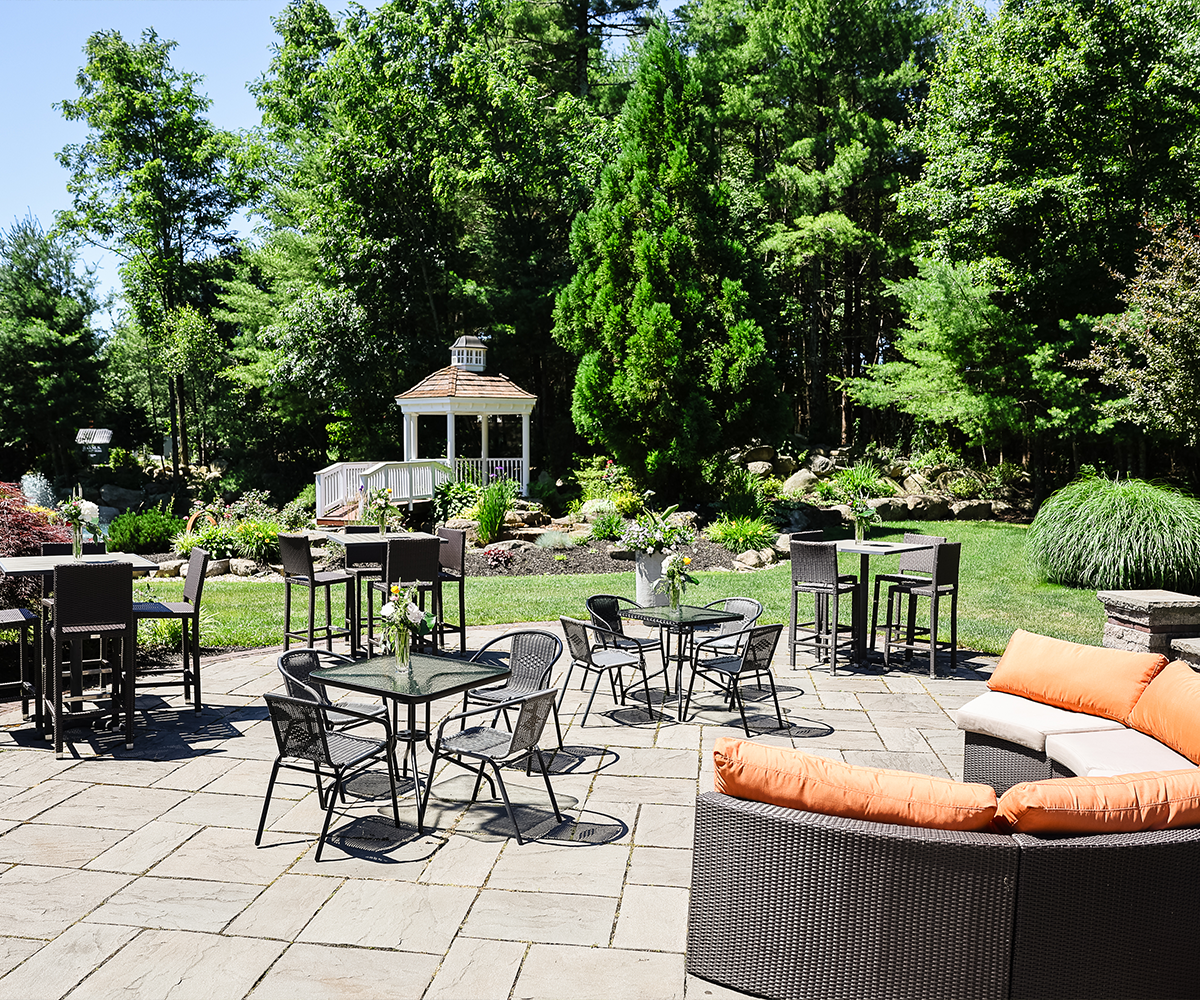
(791, 903)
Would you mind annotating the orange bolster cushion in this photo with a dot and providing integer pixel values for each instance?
(1089, 679)
(1152, 800)
(1169, 710)
(798, 780)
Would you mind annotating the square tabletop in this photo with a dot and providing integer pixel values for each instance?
(684, 616)
(375, 537)
(430, 677)
(863, 547)
(41, 565)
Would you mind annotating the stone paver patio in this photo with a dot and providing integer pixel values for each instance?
(135, 873)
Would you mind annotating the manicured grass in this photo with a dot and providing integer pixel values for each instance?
(998, 594)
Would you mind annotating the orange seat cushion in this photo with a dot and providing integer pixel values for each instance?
(1152, 800)
(1169, 710)
(1090, 679)
(798, 780)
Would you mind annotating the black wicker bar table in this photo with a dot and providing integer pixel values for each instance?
(423, 680)
(680, 622)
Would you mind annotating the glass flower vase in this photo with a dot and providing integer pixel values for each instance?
(674, 595)
(403, 647)
(77, 540)
(860, 529)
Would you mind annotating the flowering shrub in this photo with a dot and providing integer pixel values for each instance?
(498, 558)
(22, 531)
(654, 532)
(257, 540)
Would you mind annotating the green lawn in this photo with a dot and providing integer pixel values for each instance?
(997, 594)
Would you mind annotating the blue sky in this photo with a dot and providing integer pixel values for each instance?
(226, 41)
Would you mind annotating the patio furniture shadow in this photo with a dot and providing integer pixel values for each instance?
(569, 759)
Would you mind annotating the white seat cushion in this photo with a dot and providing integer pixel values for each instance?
(1019, 720)
(1107, 754)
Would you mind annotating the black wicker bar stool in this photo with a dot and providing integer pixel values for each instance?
(187, 613)
(411, 562)
(295, 552)
(363, 562)
(452, 569)
(90, 600)
(29, 683)
(942, 583)
(915, 568)
(815, 571)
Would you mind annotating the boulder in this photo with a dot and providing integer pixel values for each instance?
(822, 466)
(972, 510)
(800, 482)
(512, 545)
(216, 567)
(747, 560)
(170, 568)
(760, 469)
(844, 512)
(243, 567)
(108, 513)
(620, 552)
(783, 466)
(763, 453)
(915, 483)
(768, 555)
(890, 508)
(1002, 509)
(782, 546)
(926, 508)
(118, 496)
(526, 534)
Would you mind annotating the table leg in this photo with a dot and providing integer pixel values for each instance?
(352, 613)
(129, 654)
(859, 616)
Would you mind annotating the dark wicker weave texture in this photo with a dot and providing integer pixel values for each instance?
(1108, 916)
(995, 762)
(791, 904)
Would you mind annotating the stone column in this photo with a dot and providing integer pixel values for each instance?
(1147, 621)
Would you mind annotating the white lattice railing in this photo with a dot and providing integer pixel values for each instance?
(337, 485)
(408, 481)
(481, 471)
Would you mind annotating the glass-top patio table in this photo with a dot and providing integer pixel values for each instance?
(682, 622)
(425, 679)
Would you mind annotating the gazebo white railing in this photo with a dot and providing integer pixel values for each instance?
(482, 471)
(338, 485)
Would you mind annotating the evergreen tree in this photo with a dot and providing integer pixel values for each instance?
(674, 363)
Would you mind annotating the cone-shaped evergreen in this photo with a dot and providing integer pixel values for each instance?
(673, 360)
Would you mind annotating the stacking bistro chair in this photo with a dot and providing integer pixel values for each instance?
(29, 683)
(490, 746)
(532, 654)
(363, 563)
(943, 582)
(915, 567)
(187, 612)
(815, 571)
(452, 570)
(303, 734)
(605, 612)
(751, 662)
(90, 600)
(297, 664)
(295, 552)
(725, 639)
(411, 562)
(601, 660)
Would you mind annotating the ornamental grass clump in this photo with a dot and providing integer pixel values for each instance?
(1125, 534)
(741, 534)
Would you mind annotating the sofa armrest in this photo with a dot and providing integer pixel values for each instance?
(787, 903)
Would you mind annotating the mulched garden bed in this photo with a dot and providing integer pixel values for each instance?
(591, 557)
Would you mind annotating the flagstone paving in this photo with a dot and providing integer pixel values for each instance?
(134, 873)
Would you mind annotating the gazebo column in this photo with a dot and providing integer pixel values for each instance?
(524, 454)
(483, 447)
(410, 436)
(450, 442)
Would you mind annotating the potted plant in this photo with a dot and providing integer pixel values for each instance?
(652, 537)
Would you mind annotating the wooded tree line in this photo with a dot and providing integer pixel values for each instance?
(796, 221)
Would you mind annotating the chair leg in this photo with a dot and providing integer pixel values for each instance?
(390, 753)
(874, 614)
(954, 629)
(595, 688)
(912, 627)
(546, 777)
(687, 703)
(741, 704)
(333, 793)
(795, 616)
(287, 613)
(775, 697)
(933, 624)
(834, 614)
(262, 821)
(507, 804)
(196, 659)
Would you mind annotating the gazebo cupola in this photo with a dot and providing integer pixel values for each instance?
(469, 354)
(462, 389)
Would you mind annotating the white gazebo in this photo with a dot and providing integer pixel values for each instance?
(461, 389)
